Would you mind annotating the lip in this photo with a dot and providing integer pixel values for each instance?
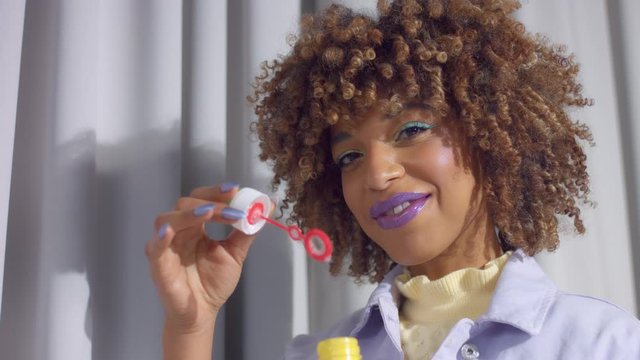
(394, 221)
(379, 208)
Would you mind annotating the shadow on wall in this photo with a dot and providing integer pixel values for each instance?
(76, 276)
(135, 180)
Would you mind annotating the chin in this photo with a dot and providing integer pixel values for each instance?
(409, 246)
(407, 257)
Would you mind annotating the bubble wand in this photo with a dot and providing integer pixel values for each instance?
(316, 242)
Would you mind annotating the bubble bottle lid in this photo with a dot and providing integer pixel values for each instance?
(248, 199)
(339, 348)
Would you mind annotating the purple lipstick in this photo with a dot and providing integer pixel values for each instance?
(398, 209)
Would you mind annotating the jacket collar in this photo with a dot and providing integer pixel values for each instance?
(523, 295)
(387, 288)
(521, 285)
(385, 292)
(383, 302)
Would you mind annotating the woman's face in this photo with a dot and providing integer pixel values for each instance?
(403, 180)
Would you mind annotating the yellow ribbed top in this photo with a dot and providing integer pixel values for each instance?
(431, 308)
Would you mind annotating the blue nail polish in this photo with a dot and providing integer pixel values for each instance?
(232, 214)
(163, 230)
(228, 186)
(202, 209)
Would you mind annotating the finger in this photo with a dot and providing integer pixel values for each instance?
(272, 210)
(196, 214)
(200, 212)
(160, 242)
(219, 193)
(237, 245)
(186, 203)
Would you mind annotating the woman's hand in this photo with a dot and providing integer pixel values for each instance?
(195, 275)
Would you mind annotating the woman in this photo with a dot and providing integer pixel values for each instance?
(433, 144)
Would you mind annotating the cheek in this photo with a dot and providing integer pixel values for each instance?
(439, 166)
(445, 158)
(354, 196)
(455, 182)
(348, 192)
(433, 163)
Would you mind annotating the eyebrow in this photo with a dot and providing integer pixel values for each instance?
(339, 137)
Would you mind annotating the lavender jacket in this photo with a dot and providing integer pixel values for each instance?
(528, 318)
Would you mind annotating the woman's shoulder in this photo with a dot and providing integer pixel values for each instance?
(584, 309)
(525, 288)
(603, 326)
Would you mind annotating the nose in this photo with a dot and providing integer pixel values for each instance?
(382, 167)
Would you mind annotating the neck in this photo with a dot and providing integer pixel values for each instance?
(475, 247)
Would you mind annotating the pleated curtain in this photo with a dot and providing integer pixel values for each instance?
(111, 110)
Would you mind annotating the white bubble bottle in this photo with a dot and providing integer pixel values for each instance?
(253, 203)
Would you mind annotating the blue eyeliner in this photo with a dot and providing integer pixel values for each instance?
(419, 124)
(422, 126)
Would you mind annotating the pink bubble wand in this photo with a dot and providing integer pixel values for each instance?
(316, 242)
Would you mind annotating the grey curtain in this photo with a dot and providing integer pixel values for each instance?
(110, 110)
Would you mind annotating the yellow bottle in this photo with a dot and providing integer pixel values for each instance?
(339, 348)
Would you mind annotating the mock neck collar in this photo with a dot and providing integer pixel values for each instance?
(521, 285)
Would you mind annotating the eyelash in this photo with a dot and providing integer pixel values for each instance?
(346, 155)
(418, 127)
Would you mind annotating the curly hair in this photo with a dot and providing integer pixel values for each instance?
(505, 90)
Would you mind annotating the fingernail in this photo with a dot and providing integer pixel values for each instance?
(163, 231)
(232, 214)
(203, 209)
(228, 186)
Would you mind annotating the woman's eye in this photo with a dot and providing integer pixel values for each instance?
(347, 158)
(411, 129)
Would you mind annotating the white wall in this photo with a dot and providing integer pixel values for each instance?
(599, 263)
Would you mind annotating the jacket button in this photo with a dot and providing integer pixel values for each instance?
(469, 352)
